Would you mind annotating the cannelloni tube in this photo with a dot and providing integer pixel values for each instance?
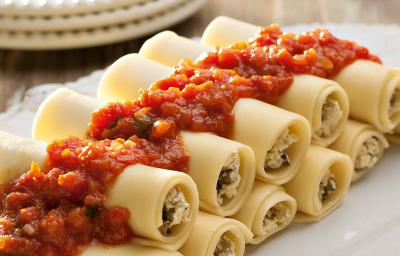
(163, 205)
(321, 184)
(53, 117)
(224, 175)
(279, 138)
(268, 210)
(323, 102)
(377, 84)
(216, 236)
(364, 144)
(224, 171)
(154, 48)
(224, 31)
(363, 81)
(119, 79)
(17, 154)
(126, 250)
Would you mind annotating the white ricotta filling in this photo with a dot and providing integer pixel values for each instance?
(330, 117)
(225, 247)
(277, 216)
(369, 154)
(327, 186)
(175, 211)
(276, 157)
(229, 178)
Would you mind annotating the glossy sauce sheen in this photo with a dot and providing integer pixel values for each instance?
(57, 210)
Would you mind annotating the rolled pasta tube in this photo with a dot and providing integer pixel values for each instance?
(122, 77)
(55, 115)
(363, 80)
(268, 210)
(126, 250)
(213, 235)
(323, 102)
(163, 205)
(377, 84)
(280, 139)
(209, 168)
(224, 31)
(364, 144)
(321, 184)
(154, 48)
(17, 154)
(169, 48)
(223, 170)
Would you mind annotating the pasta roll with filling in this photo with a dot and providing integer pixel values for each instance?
(363, 80)
(119, 79)
(379, 85)
(323, 102)
(364, 144)
(268, 210)
(154, 48)
(126, 250)
(224, 175)
(321, 184)
(163, 205)
(279, 138)
(224, 31)
(17, 154)
(216, 236)
(224, 171)
(54, 116)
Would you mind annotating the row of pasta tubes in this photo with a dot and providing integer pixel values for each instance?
(293, 161)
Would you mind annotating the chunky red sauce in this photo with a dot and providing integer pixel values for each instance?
(58, 210)
(54, 212)
(200, 96)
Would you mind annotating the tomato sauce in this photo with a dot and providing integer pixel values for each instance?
(200, 96)
(57, 210)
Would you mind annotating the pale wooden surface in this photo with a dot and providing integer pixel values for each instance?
(21, 70)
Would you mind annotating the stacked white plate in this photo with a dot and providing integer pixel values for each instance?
(61, 24)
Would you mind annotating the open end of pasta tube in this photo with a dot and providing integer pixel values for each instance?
(390, 104)
(175, 211)
(229, 178)
(331, 115)
(327, 186)
(369, 154)
(394, 107)
(332, 187)
(225, 246)
(278, 155)
(277, 216)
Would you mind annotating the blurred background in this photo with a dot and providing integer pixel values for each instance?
(21, 28)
